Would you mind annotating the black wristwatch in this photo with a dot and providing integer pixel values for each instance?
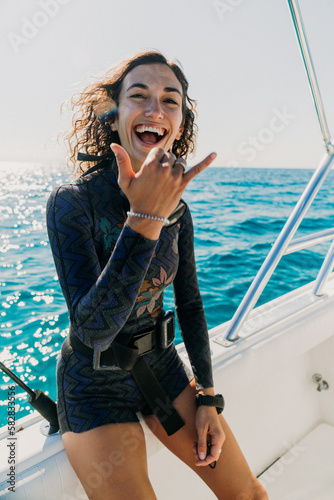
(207, 400)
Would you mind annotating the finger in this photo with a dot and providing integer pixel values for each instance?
(180, 164)
(168, 160)
(202, 445)
(215, 452)
(197, 169)
(125, 172)
(181, 161)
(157, 154)
(208, 460)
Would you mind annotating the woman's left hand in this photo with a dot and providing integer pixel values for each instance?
(211, 435)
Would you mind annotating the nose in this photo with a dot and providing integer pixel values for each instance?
(154, 109)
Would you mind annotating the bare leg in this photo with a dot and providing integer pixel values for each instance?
(231, 479)
(111, 462)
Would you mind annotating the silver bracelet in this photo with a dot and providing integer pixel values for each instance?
(145, 216)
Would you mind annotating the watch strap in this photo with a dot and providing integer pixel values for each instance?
(207, 400)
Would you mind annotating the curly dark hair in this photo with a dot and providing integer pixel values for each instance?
(90, 132)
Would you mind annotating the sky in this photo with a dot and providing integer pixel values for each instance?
(241, 58)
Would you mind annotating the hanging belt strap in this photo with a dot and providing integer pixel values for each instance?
(149, 386)
(119, 356)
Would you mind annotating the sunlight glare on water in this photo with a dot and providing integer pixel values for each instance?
(32, 326)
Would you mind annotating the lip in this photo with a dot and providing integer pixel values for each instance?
(148, 144)
(150, 124)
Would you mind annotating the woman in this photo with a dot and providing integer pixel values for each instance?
(120, 235)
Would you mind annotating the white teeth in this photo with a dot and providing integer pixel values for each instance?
(145, 128)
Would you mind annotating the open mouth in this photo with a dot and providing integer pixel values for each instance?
(149, 134)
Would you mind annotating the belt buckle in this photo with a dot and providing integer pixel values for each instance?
(97, 362)
(167, 330)
(144, 343)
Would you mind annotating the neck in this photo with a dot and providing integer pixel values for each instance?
(136, 165)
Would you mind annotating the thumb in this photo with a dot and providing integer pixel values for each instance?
(202, 445)
(125, 172)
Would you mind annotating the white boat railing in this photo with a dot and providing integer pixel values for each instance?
(283, 244)
(314, 87)
(309, 240)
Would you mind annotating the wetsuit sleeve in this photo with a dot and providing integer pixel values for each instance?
(189, 307)
(99, 300)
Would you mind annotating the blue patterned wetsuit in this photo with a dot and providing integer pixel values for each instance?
(113, 281)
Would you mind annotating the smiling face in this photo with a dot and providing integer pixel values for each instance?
(149, 111)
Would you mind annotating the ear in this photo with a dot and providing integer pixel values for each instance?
(113, 126)
(179, 134)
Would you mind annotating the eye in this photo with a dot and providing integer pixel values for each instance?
(171, 101)
(138, 96)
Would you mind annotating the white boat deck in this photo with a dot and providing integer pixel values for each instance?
(306, 470)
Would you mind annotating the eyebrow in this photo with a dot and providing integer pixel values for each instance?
(143, 86)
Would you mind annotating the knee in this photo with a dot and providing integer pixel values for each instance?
(255, 491)
(259, 492)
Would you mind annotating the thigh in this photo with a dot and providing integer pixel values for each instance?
(232, 478)
(111, 461)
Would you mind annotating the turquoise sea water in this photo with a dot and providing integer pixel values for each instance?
(237, 214)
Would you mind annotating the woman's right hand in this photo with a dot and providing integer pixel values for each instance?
(156, 188)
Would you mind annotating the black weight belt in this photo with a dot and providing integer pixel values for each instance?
(130, 359)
